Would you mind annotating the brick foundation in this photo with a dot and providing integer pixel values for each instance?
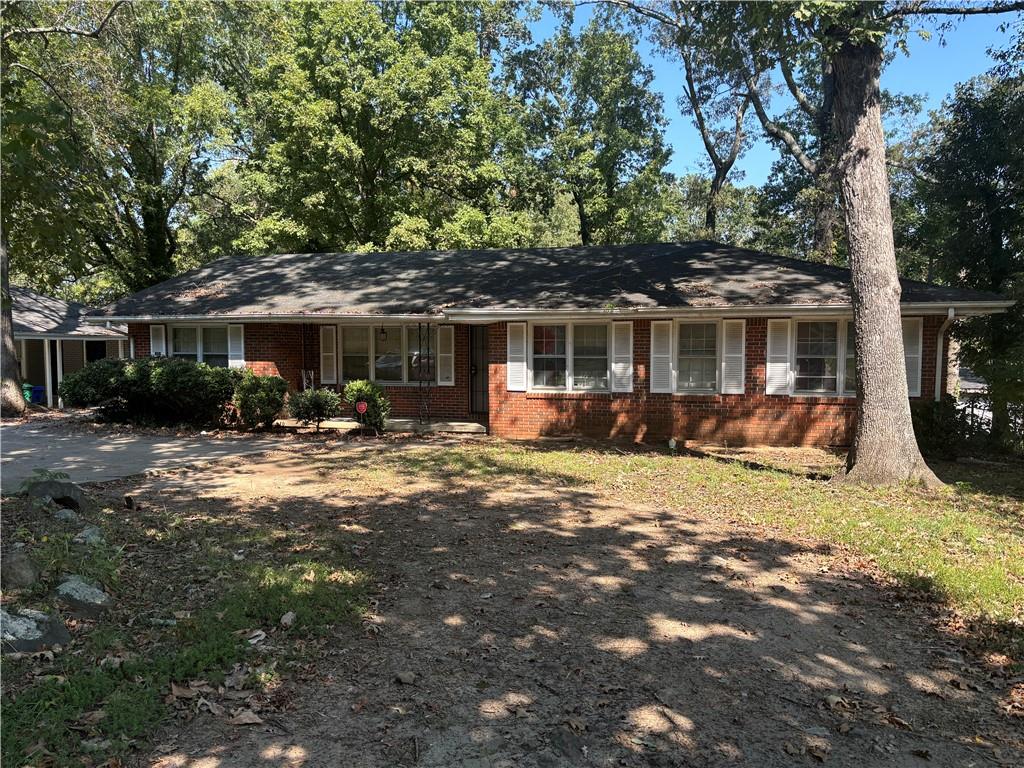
(285, 349)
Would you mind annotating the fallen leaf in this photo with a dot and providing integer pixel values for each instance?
(214, 707)
(180, 692)
(245, 717)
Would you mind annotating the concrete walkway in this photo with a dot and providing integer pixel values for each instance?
(91, 458)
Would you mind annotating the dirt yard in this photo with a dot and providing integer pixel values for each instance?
(541, 624)
(519, 607)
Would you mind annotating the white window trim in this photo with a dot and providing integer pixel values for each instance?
(840, 356)
(169, 339)
(570, 385)
(719, 342)
(405, 381)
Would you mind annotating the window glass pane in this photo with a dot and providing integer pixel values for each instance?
(698, 357)
(355, 353)
(549, 355)
(850, 375)
(215, 346)
(590, 357)
(184, 343)
(387, 363)
(421, 346)
(817, 350)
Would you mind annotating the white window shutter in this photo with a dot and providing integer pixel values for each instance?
(446, 356)
(733, 352)
(661, 356)
(912, 354)
(157, 341)
(777, 379)
(515, 358)
(622, 357)
(236, 346)
(328, 354)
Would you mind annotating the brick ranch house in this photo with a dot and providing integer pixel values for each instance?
(694, 340)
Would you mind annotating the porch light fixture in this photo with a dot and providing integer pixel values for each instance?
(382, 334)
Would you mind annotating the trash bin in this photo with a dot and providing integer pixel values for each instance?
(26, 392)
(38, 395)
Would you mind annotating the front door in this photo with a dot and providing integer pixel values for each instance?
(478, 360)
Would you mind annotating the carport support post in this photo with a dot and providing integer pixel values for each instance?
(60, 368)
(24, 362)
(46, 371)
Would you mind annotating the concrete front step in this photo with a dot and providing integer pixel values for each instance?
(399, 425)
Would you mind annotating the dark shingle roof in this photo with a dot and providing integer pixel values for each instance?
(37, 315)
(673, 275)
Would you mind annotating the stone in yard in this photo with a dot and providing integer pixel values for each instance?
(17, 570)
(28, 631)
(84, 599)
(68, 516)
(90, 536)
(64, 492)
(406, 678)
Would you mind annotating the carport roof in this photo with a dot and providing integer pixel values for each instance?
(690, 275)
(35, 315)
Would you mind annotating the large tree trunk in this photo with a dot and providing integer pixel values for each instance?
(581, 209)
(711, 212)
(12, 402)
(884, 447)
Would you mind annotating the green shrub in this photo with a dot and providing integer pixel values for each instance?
(312, 406)
(157, 390)
(944, 431)
(259, 399)
(378, 407)
(96, 383)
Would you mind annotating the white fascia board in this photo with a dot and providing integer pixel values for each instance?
(269, 318)
(774, 310)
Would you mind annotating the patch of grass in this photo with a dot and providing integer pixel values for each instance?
(49, 714)
(965, 544)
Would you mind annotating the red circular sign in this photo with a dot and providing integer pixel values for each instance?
(361, 406)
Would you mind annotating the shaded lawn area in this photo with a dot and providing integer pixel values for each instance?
(964, 545)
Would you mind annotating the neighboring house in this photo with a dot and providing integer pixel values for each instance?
(52, 339)
(688, 340)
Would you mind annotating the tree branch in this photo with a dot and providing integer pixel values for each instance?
(48, 84)
(698, 114)
(643, 10)
(923, 9)
(65, 30)
(794, 88)
(775, 130)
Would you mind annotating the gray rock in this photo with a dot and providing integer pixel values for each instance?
(406, 678)
(17, 570)
(85, 600)
(90, 536)
(28, 631)
(68, 516)
(64, 492)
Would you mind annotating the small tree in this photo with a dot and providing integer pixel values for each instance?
(314, 406)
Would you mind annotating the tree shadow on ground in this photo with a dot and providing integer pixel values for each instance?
(547, 625)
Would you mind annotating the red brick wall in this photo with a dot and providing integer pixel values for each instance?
(286, 349)
(750, 418)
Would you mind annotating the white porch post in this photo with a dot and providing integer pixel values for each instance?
(47, 368)
(60, 368)
(24, 363)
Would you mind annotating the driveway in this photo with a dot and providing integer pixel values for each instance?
(89, 457)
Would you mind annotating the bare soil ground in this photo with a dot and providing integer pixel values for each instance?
(554, 625)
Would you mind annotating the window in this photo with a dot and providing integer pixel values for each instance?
(850, 374)
(590, 357)
(421, 352)
(817, 355)
(549, 356)
(185, 343)
(387, 353)
(355, 353)
(215, 346)
(697, 355)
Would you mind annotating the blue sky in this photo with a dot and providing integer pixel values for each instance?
(933, 69)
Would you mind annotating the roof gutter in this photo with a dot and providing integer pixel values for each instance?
(965, 308)
(491, 315)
